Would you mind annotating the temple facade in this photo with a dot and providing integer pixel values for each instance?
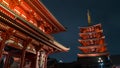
(25, 34)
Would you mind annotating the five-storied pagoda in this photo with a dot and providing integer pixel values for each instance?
(95, 54)
(25, 33)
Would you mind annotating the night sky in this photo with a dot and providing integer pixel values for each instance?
(72, 14)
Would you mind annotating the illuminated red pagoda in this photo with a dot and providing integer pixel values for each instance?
(93, 46)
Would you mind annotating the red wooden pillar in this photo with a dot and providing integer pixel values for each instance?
(25, 44)
(46, 60)
(43, 59)
(36, 64)
(35, 61)
(5, 36)
(37, 57)
(7, 61)
(49, 51)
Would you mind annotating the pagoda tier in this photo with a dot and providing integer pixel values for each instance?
(25, 33)
(92, 40)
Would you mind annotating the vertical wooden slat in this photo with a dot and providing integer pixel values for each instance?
(7, 61)
(34, 62)
(25, 44)
(22, 59)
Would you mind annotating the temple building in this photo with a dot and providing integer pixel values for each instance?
(25, 34)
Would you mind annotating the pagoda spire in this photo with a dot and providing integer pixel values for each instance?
(88, 17)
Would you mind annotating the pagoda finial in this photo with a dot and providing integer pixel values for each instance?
(89, 18)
